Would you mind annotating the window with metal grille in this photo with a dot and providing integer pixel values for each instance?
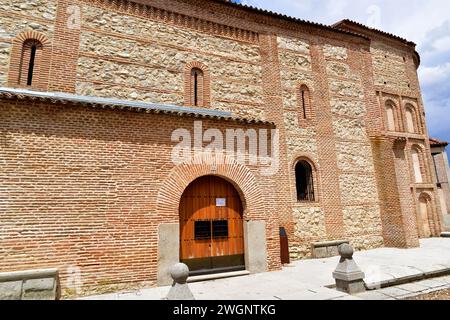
(202, 230)
(220, 229)
(304, 181)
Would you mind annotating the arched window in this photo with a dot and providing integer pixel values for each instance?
(391, 116)
(304, 102)
(417, 165)
(30, 62)
(411, 119)
(197, 87)
(304, 181)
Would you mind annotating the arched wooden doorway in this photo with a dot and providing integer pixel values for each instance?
(211, 227)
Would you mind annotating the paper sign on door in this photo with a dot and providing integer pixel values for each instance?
(221, 202)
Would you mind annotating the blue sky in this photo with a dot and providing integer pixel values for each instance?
(427, 23)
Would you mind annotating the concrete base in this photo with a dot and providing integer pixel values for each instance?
(180, 292)
(168, 251)
(255, 246)
(350, 287)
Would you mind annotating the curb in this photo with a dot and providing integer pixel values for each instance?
(409, 279)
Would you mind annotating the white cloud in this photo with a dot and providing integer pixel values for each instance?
(433, 75)
(442, 45)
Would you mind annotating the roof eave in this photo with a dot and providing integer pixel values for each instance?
(347, 22)
(116, 104)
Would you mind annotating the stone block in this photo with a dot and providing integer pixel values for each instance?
(394, 292)
(349, 277)
(168, 251)
(332, 251)
(29, 285)
(180, 289)
(39, 289)
(11, 290)
(39, 284)
(372, 295)
(39, 295)
(255, 246)
(350, 287)
(326, 249)
(320, 253)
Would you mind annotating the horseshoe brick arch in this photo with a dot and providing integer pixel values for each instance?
(256, 233)
(241, 177)
(204, 85)
(20, 55)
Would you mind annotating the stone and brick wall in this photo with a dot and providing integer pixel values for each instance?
(130, 56)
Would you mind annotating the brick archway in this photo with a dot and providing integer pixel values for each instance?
(206, 82)
(43, 58)
(257, 245)
(169, 195)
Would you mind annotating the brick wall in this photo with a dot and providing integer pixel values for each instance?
(79, 194)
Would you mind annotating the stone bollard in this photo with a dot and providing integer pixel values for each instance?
(180, 290)
(349, 277)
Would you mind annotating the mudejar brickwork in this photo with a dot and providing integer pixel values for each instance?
(88, 184)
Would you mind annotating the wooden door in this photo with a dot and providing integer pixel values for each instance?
(211, 226)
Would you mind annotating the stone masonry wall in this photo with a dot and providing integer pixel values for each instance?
(130, 57)
(359, 195)
(295, 70)
(389, 67)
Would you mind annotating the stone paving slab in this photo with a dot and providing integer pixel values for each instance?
(413, 287)
(372, 295)
(394, 292)
(313, 294)
(432, 283)
(347, 298)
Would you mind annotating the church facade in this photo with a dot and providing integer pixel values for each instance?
(95, 96)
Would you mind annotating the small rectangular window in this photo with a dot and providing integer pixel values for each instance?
(220, 229)
(202, 230)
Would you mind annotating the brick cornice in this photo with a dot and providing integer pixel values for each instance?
(171, 17)
(254, 17)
